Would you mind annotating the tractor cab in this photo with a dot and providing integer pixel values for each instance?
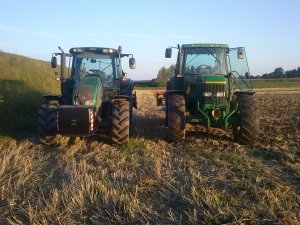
(211, 87)
(92, 65)
(212, 64)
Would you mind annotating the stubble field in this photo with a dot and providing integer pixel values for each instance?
(208, 179)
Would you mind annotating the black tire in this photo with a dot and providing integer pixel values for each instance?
(120, 121)
(176, 117)
(246, 131)
(47, 123)
(130, 118)
(166, 103)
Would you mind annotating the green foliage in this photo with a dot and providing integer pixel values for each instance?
(148, 84)
(23, 81)
(279, 73)
(276, 83)
(293, 73)
(164, 74)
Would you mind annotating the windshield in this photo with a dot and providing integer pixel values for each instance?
(204, 61)
(94, 64)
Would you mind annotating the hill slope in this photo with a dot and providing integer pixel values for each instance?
(23, 81)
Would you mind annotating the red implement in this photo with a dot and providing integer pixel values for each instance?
(160, 97)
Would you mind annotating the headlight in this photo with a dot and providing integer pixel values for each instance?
(207, 94)
(89, 102)
(107, 50)
(79, 50)
(220, 94)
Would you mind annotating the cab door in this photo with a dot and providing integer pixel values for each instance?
(238, 66)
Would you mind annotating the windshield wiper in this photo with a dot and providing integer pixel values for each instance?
(192, 59)
(106, 67)
(213, 55)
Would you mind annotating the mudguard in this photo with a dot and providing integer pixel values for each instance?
(126, 89)
(50, 97)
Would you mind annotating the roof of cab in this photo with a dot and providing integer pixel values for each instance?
(205, 46)
(92, 49)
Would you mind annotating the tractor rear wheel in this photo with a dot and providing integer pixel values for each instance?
(176, 117)
(47, 123)
(120, 121)
(247, 128)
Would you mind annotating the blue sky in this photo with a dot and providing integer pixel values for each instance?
(269, 30)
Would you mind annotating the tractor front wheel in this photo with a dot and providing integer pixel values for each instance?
(246, 130)
(176, 117)
(47, 123)
(120, 121)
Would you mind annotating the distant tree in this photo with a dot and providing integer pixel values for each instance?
(164, 74)
(278, 73)
(293, 73)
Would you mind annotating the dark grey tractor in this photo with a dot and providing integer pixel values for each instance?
(96, 96)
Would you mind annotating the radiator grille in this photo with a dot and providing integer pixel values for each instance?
(199, 89)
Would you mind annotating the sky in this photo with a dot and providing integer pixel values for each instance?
(268, 29)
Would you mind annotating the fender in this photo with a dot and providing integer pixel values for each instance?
(121, 97)
(52, 98)
(126, 87)
(182, 92)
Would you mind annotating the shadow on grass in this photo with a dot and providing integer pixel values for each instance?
(151, 128)
(280, 161)
(18, 108)
(211, 133)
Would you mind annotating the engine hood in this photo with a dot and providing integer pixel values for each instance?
(89, 92)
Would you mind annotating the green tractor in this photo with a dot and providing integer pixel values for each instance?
(211, 87)
(96, 96)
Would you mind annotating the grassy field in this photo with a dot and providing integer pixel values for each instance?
(276, 83)
(208, 179)
(23, 81)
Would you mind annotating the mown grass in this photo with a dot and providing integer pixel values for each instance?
(276, 83)
(143, 182)
(23, 81)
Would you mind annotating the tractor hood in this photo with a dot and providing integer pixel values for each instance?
(88, 92)
(205, 79)
(206, 86)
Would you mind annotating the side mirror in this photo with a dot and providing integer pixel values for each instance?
(53, 62)
(241, 53)
(132, 64)
(168, 53)
(247, 75)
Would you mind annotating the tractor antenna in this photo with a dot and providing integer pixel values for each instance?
(61, 49)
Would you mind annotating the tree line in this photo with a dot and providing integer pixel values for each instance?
(280, 73)
(165, 73)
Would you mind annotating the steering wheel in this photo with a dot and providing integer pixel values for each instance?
(203, 66)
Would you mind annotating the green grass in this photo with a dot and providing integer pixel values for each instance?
(23, 81)
(276, 83)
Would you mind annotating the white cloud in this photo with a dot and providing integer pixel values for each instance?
(12, 29)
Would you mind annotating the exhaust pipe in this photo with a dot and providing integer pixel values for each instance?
(62, 64)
